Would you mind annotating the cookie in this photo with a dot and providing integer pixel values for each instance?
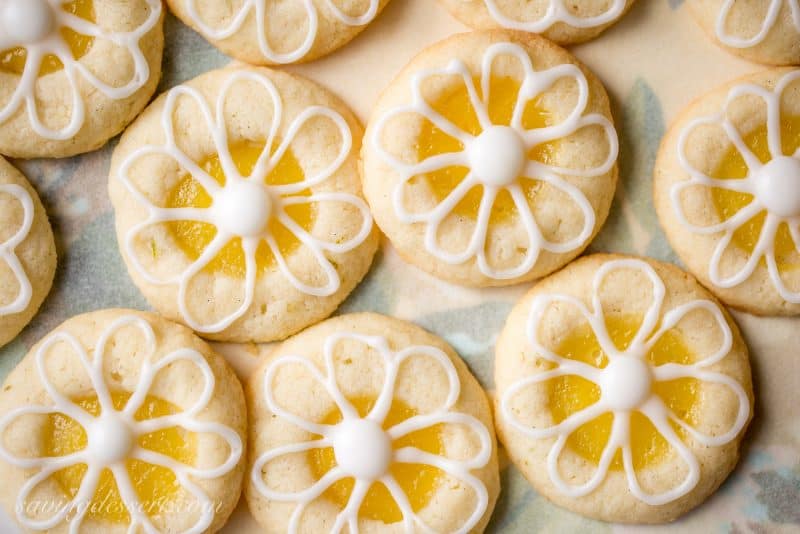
(764, 31)
(121, 421)
(27, 253)
(373, 424)
(727, 191)
(562, 21)
(274, 32)
(238, 204)
(491, 159)
(623, 389)
(74, 74)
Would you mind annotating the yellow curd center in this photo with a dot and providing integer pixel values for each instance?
(13, 60)
(419, 482)
(457, 108)
(728, 203)
(193, 237)
(154, 485)
(571, 394)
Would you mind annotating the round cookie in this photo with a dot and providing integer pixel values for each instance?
(764, 31)
(121, 421)
(238, 204)
(74, 74)
(372, 423)
(274, 32)
(27, 253)
(623, 389)
(484, 170)
(562, 21)
(727, 191)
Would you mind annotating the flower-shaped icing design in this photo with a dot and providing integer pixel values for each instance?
(626, 385)
(258, 9)
(557, 12)
(7, 248)
(113, 435)
(36, 25)
(774, 186)
(364, 451)
(243, 207)
(770, 18)
(497, 158)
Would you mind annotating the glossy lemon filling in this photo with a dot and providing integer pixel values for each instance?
(728, 203)
(457, 108)
(155, 486)
(193, 237)
(13, 60)
(571, 394)
(419, 482)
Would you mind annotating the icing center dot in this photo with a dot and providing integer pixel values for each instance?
(362, 449)
(497, 156)
(626, 383)
(778, 186)
(110, 439)
(243, 209)
(27, 21)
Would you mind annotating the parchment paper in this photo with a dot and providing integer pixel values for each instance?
(654, 62)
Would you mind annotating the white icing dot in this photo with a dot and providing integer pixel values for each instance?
(626, 383)
(362, 449)
(110, 439)
(243, 209)
(497, 156)
(27, 21)
(778, 186)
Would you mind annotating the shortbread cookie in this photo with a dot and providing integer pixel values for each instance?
(121, 421)
(238, 203)
(272, 32)
(27, 253)
(623, 390)
(727, 191)
(74, 74)
(562, 21)
(373, 424)
(491, 159)
(766, 31)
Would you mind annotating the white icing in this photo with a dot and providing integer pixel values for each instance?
(557, 12)
(626, 385)
(9, 257)
(770, 18)
(244, 205)
(113, 436)
(48, 40)
(27, 21)
(510, 146)
(363, 450)
(243, 209)
(110, 438)
(258, 9)
(775, 187)
(497, 156)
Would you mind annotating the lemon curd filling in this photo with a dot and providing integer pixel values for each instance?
(571, 394)
(419, 482)
(457, 108)
(13, 60)
(193, 237)
(728, 203)
(154, 485)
